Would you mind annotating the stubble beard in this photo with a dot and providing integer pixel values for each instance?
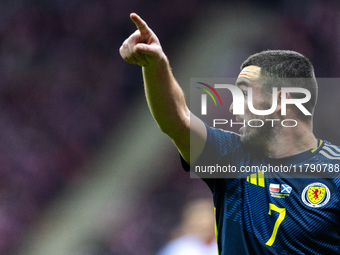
(259, 137)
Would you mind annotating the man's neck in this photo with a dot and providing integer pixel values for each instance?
(287, 143)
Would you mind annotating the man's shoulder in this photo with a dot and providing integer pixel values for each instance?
(220, 144)
(330, 151)
(221, 132)
(327, 143)
(224, 140)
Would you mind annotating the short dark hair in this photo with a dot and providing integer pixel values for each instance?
(284, 65)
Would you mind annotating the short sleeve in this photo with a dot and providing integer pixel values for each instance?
(220, 143)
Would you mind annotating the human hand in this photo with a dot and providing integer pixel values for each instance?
(142, 47)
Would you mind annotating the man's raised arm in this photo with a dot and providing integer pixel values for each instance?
(164, 96)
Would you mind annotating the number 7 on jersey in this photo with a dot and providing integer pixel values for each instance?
(282, 212)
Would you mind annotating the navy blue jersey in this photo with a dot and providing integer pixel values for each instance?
(274, 213)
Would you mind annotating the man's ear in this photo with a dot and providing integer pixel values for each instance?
(278, 107)
(279, 96)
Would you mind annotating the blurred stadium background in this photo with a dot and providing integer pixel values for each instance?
(83, 167)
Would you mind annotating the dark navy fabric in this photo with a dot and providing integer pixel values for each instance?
(278, 214)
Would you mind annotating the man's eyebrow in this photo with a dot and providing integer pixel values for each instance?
(239, 83)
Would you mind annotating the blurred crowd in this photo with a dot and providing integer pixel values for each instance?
(63, 87)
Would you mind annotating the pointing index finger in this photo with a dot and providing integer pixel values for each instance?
(141, 24)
